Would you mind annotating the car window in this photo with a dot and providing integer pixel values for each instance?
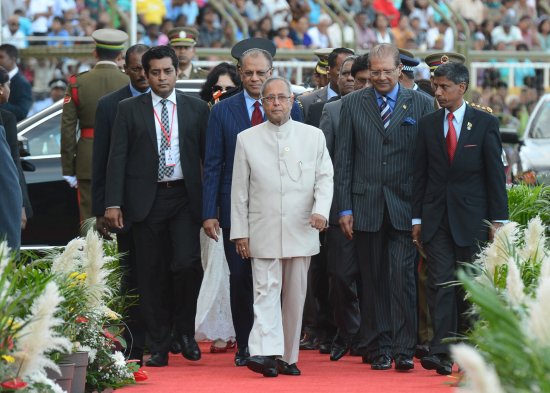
(540, 129)
(45, 138)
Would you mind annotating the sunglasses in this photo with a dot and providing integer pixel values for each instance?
(222, 88)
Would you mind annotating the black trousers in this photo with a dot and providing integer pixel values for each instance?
(241, 295)
(446, 303)
(388, 290)
(168, 287)
(343, 274)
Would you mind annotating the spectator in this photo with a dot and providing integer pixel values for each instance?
(387, 8)
(521, 75)
(351, 6)
(382, 30)
(337, 35)
(424, 12)
(279, 11)
(440, 37)
(298, 8)
(256, 10)
(315, 12)
(366, 6)
(282, 40)
(265, 28)
(407, 7)
(528, 32)
(419, 33)
(58, 30)
(8, 8)
(20, 98)
(543, 33)
(403, 32)
(61, 6)
(298, 33)
(12, 33)
(523, 8)
(39, 11)
(151, 11)
(486, 29)
(319, 34)
(365, 36)
(210, 29)
(57, 91)
(153, 36)
(470, 9)
(190, 9)
(25, 23)
(506, 36)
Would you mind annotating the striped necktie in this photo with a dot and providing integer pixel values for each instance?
(164, 170)
(385, 112)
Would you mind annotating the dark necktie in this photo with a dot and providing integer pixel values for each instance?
(164, 143)
(385, 112)
(257, 117)
(451, 137)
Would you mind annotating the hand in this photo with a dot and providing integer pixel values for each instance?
(493, 229)
(211, 228)
(23, 219)
(102, 227)
(318, 222)
(71, 180)
(113, 216)
(416, 232)
(346, 225)
(242, 247)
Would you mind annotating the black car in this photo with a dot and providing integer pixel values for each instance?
(56, 216)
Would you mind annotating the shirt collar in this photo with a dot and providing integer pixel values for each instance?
(157, 99)
(136, 92)
(458, 114)
(12, 73)
(392, 95)
(106, 62)
(249, 100)
(330, 93)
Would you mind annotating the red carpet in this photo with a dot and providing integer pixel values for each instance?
(216, 373)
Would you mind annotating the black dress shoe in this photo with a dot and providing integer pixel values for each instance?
(309, 342)
(339, 348)
(287, 369)
(441, 363)
(381, 362)
(241, 356)
(325, 347)
(189, 348)
(403, 363)
(157, 359)
(265, 365)
(175, 346)
(421, 351)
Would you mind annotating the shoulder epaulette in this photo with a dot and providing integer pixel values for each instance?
(487, 109)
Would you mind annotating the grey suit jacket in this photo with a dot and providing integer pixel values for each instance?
(374, 166)
(330, 122)
(11, 201)
(319, 95)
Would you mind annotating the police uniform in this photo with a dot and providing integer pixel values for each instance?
(79, 107)
(186, 36)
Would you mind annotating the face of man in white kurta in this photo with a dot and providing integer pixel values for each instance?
(277, 101)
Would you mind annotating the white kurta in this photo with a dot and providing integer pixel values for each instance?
(281, 176)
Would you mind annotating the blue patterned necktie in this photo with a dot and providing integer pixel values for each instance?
(385, 112)
(164, 144)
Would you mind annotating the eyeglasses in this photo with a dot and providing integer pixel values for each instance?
(386, 73)
(260, 74)
(280, 98)
(222, 88)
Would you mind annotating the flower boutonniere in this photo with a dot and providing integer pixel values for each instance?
(469, 126)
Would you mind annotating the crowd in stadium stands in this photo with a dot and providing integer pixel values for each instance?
(520, 25)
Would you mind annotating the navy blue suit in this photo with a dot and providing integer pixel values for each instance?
(227, 119)
(20, 100)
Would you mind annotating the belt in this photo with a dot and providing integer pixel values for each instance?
(87, 133)
(171, 184)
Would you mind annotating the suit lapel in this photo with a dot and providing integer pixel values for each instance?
(149, 117)
(400, 109)
(182, 123)
(371, 108)
(465, 131)
(440, 133)
(240, 111)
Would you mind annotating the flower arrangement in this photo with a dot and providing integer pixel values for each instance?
(511, 295)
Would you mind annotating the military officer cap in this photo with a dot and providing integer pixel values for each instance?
(111, 39)
(408, 60)
(57, 84)
(253, 43)
(436, 59)
(183, 36)
(322, 64)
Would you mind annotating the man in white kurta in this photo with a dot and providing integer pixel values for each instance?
(280, 198)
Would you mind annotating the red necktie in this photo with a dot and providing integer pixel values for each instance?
(451, 137)
(257, 117)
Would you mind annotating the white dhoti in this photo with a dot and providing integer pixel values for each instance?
(276, 329)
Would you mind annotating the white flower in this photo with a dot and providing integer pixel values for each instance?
(482, 377)
(119, 359)
(96, 273)
(40, 377)
(37, 337)
(539, 323)
(514, 284)
(534, 240)
(496, 253)
(68, 261)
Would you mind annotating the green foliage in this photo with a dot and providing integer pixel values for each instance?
(526, 202)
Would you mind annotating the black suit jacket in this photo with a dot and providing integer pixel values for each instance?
(316, 110)
(104, 121)
(132, 168)
(471, 189)
(20, 100)
(8, 120)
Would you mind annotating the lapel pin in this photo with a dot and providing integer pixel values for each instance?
(469, 126)
(404, 106)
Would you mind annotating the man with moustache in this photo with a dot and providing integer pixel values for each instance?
(154, 181)
(227, 119)
(183, 40)
(104, 121)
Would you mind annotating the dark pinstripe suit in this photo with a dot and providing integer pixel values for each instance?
(227, 119)
(373, 178)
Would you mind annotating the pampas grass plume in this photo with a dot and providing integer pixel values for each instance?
(534, 240)
(514, 284)
(68, 261)
(539, 323)
(482, 377)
